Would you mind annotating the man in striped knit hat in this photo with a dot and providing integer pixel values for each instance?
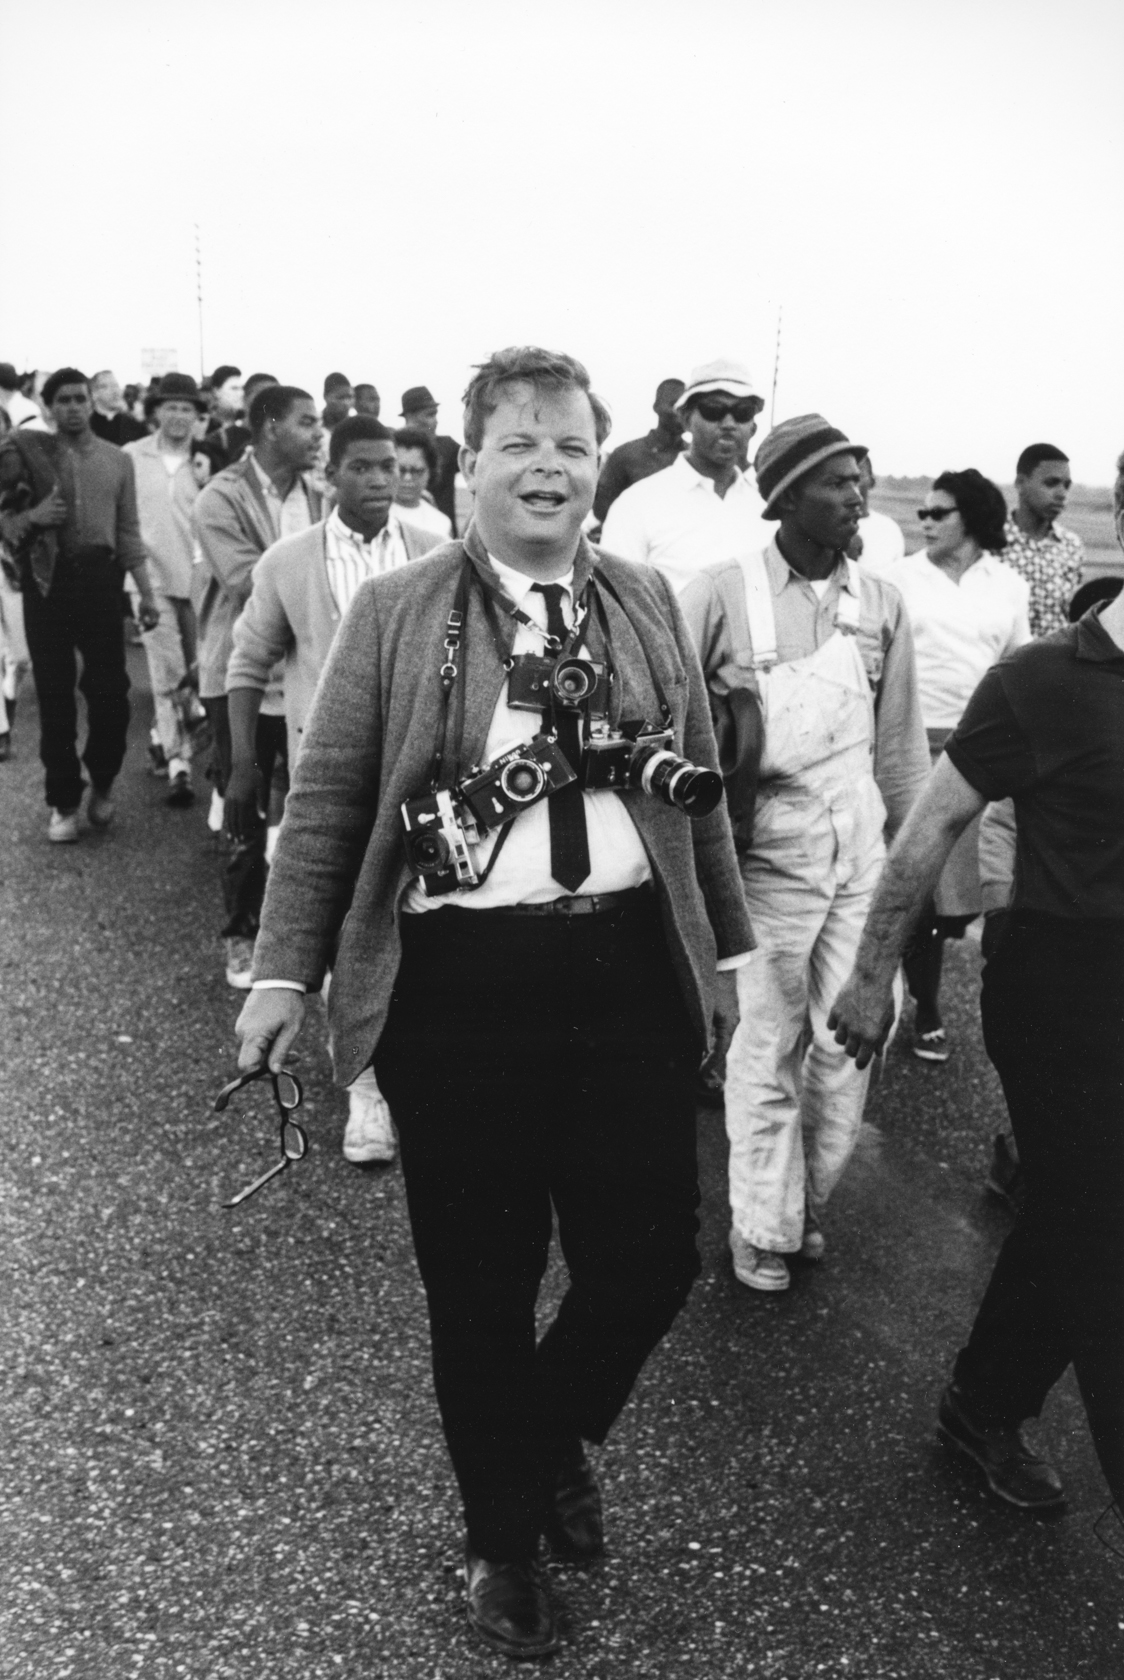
(809, 662)
(302, 588)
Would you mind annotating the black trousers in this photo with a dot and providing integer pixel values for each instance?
(1053, 1016)
(528, 1063)
(243, 884)
(80, 615)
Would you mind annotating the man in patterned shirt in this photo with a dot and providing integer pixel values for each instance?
(1049, 557)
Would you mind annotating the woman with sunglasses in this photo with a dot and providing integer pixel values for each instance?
(967, 610)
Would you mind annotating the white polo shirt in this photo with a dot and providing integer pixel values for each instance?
(676, 521)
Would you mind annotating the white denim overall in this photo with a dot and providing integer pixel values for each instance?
(794, 1100)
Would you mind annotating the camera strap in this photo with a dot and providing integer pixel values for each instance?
(449, 671)
(561, 648)
(600, 581)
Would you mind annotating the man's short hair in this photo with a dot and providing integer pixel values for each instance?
(549, 371)
(273, 402)
(981, 505)
(357, 428)
(9, 378)
(1034, 455)
(102, 373)
(223, 373)
(336, 382)
(412, 437)
(61, 377)
(365, 388)
(665, 388)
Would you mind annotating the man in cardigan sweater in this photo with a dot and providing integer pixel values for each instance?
(538, 1035)
(239, 514)
(302, 587)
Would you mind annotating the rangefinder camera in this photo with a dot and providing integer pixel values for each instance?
(571, 684)
(516, 778)
(639, 756)
(438, 844)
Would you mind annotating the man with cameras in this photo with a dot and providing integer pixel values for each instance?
(507, 785)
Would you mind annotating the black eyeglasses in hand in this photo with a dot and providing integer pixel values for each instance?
(288, 1096)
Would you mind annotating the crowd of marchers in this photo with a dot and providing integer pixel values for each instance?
(517, 725)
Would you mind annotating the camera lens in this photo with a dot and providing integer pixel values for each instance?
(429, 852)
(574, 680)
(694, 791)
(522, 780)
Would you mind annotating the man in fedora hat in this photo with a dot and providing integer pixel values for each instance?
(702, 508)
(166, 492)
(419, 413)
(809, 660)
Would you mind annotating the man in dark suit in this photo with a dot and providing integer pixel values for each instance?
(537, 1031)
(419, 412)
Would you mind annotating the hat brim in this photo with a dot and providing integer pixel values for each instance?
(802, 468)
(732, 387)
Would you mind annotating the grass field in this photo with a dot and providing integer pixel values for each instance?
(1089, 513)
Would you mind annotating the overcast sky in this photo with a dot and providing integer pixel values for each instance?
(932, 191)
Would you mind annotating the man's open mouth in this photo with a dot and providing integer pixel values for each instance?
(543, 499)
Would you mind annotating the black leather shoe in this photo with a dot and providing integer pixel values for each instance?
(1013, 1472)
(573, 1529)
(509, 1608)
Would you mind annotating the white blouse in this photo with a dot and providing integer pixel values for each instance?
(959, 629)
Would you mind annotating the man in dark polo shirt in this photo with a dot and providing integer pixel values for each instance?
(641, 457)
(72, 600)
(1045, 727)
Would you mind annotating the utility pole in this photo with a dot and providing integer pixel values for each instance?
(199, 301)
(776, 366)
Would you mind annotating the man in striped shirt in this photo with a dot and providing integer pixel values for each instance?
(302, 588)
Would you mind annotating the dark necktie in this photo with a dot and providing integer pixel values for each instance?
(569, 843)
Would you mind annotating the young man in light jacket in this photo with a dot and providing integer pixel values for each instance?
(302, 587)
(166, 492)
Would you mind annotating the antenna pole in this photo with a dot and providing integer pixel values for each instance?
(776, 367)
(199, 300)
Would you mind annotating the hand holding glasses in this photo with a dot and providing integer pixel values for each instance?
(288, 1096)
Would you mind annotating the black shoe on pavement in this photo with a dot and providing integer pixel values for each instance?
(1013, 1472)
(509, 1608)
(1005, 1179)
(574, 1529)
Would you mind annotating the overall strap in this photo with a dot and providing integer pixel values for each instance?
(850, 601)
(759, 611)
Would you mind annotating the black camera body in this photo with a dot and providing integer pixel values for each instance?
(516, 778)
(437, 844)
(639, 756)
(569, 684)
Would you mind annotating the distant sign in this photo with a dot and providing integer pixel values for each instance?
(156, 363)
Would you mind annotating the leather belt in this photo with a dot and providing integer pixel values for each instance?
(591, 904)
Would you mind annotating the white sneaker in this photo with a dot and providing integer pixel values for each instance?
(63, 826)
(758, 1268)
(239, 963)
(100, 809)
(369, 1135)
(215, 813)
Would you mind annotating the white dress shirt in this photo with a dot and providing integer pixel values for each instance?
(522, 874)
(883, 542)
(959, 629)
(288, 516)
(352, 560)
(676, 521)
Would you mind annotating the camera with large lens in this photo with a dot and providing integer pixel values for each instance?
(638, 756)
(437, 844)
(571, 684)
(516, 778)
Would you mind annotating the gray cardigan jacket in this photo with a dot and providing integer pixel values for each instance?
(232, 528)
(337, 880)
(292, 615)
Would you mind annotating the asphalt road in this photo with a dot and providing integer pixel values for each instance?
(220, 1449)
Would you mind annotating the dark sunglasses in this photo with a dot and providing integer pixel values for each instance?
(935, 514)
(714, 409)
